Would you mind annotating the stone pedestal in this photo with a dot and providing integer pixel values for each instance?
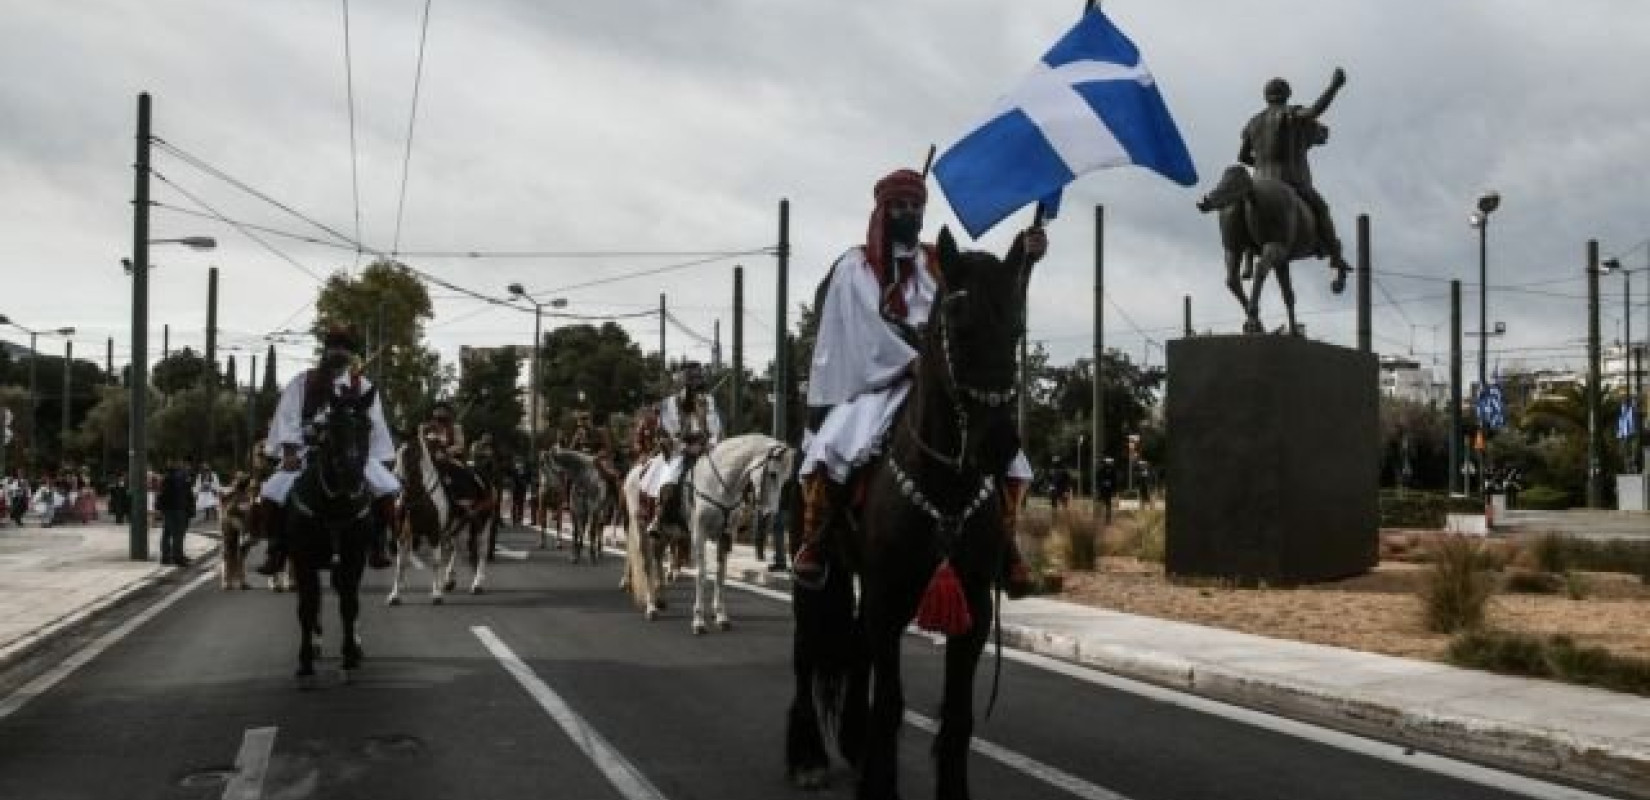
(1274, 460)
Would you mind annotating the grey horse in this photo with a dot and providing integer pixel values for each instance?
(588, 495)
(1263, 217)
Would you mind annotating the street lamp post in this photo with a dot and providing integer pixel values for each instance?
(517, 291)
(1487, 203)
(1606, 267)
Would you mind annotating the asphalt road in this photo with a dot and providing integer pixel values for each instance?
(552, 686)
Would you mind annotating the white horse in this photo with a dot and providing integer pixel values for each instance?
(719, 480)
(430, 513)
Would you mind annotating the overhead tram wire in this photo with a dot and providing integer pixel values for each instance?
(511, 254)
(656, 270)
(207, 168)
(252, 226)
(244, 231)
(354, 161)
(412, 118)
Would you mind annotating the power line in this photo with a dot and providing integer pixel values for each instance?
(260, 228)
(203, 166)
(406, 158)
(652, 271)
(512, 254)
(349, 92)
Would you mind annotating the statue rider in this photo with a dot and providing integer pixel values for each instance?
(301, 401)
(875, 298)
(688, 417)
(1275, 143)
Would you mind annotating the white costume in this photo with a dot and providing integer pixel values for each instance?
(207, 488)
(661, 472)
(860, 365)
(288, 428)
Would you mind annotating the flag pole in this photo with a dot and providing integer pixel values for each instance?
(928, 162)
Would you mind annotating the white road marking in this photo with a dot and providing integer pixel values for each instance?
(251, 765)
(1372, 748)
(44, 682)
(514, 555)
(625, 777)
(1053, 776)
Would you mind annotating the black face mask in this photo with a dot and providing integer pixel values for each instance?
(904, 228)
(335, 360)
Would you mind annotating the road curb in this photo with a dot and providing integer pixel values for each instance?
(1599, 763)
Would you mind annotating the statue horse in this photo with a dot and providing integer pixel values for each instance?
(436, 513)
(588, 494)
(329, 521)
(1262, 219)
(930, 518)
(751, 466)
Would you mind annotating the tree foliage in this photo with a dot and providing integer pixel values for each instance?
(601, 363)
(387, 305)
(489, 400)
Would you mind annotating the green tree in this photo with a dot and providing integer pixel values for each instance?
(230, 377)
(489, 400)
(602, 363)
(1419, 433)
(387, 291)
(180, 371)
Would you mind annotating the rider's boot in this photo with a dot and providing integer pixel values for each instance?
(662, 505)
(1016, 576)
(808, 563)
(378, 556)
(274, 515)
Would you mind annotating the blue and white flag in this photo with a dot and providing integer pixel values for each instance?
(1624, 423)
(1492, 414)
(1090, 104)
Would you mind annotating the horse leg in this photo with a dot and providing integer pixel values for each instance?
(309, 619)
(1233, 282)
(699, 524)
(720, 609)
(885, 610)
(346, 581)
(1264, 266)
(441, 569)
(480, 564)
(962, 658)
(1288, 290)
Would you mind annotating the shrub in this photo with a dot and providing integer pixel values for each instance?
(1557, 657)
(1552, 552)
(1411, 509)
(1524, 582)
(1082, 542)
(1457, 589)
(1544, 498)
(1558, 553)
(1152, 529)
(1575, 585)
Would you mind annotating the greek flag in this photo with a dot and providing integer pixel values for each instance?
(1089, 104)
(1624, 423)
(1491, 413)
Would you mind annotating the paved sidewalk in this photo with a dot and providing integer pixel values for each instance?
(54, 579)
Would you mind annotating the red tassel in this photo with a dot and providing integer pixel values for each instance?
(944, 609)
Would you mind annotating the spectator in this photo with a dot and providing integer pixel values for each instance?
(176, 503)
(520, 478)
(120, 499)
(1059, 485)
(1105, 484)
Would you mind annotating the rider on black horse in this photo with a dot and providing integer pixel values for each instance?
(690, 418)
(304, 397)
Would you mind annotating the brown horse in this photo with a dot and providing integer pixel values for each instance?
(931, 511)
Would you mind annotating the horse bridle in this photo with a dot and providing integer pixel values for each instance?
(956, 390)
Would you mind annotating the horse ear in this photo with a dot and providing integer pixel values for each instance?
(950, 257)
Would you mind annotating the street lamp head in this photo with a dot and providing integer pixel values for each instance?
(560, 302)
(1488, 202)
(68, 331)
(517, 291)
(5, 320)
(198, 242)
(1609, 265)
(1500, 328)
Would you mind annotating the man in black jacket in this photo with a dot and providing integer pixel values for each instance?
(176, 503)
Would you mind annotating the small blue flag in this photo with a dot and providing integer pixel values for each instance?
(1492, 414)
(1090, 104)
(1624, 423)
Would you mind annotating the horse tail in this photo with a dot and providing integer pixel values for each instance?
(825, 658)
(635, 562)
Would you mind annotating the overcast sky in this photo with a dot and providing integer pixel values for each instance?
(645, 126)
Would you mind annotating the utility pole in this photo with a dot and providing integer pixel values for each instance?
(252, 405)
(1455, 386)
(211, 364)
(34, 402)
(1187, 309)
(1595, 435)
(137, 468)
(63, 430)
(109, 362)
(716, 344)
(1099, 449)
(166, 341)
(664, 360)
(1365, 277)
(736, 407)
(782, 350)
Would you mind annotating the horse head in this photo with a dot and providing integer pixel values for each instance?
(970, 346)
(343, 438)
(1234, 185)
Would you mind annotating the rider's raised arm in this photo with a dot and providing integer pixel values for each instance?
(1336, 81)
(286, 427)
(380, 447)
(670, 419)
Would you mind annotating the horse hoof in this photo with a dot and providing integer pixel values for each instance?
(448, 586)
(477, 590)
(810, 779)
(724, 625)
(652, 614)
(699, 628)
(436, 601)
(394, 600)
(306, 680)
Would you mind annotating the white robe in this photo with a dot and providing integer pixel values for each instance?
(660, 471)
(860, 366)
(287, 427)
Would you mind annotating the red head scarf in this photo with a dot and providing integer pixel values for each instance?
(901, 184)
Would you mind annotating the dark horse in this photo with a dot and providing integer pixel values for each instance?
(329, 519)
(932, 501)
(1263, 219)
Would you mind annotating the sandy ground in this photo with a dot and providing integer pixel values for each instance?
(1377, 612)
